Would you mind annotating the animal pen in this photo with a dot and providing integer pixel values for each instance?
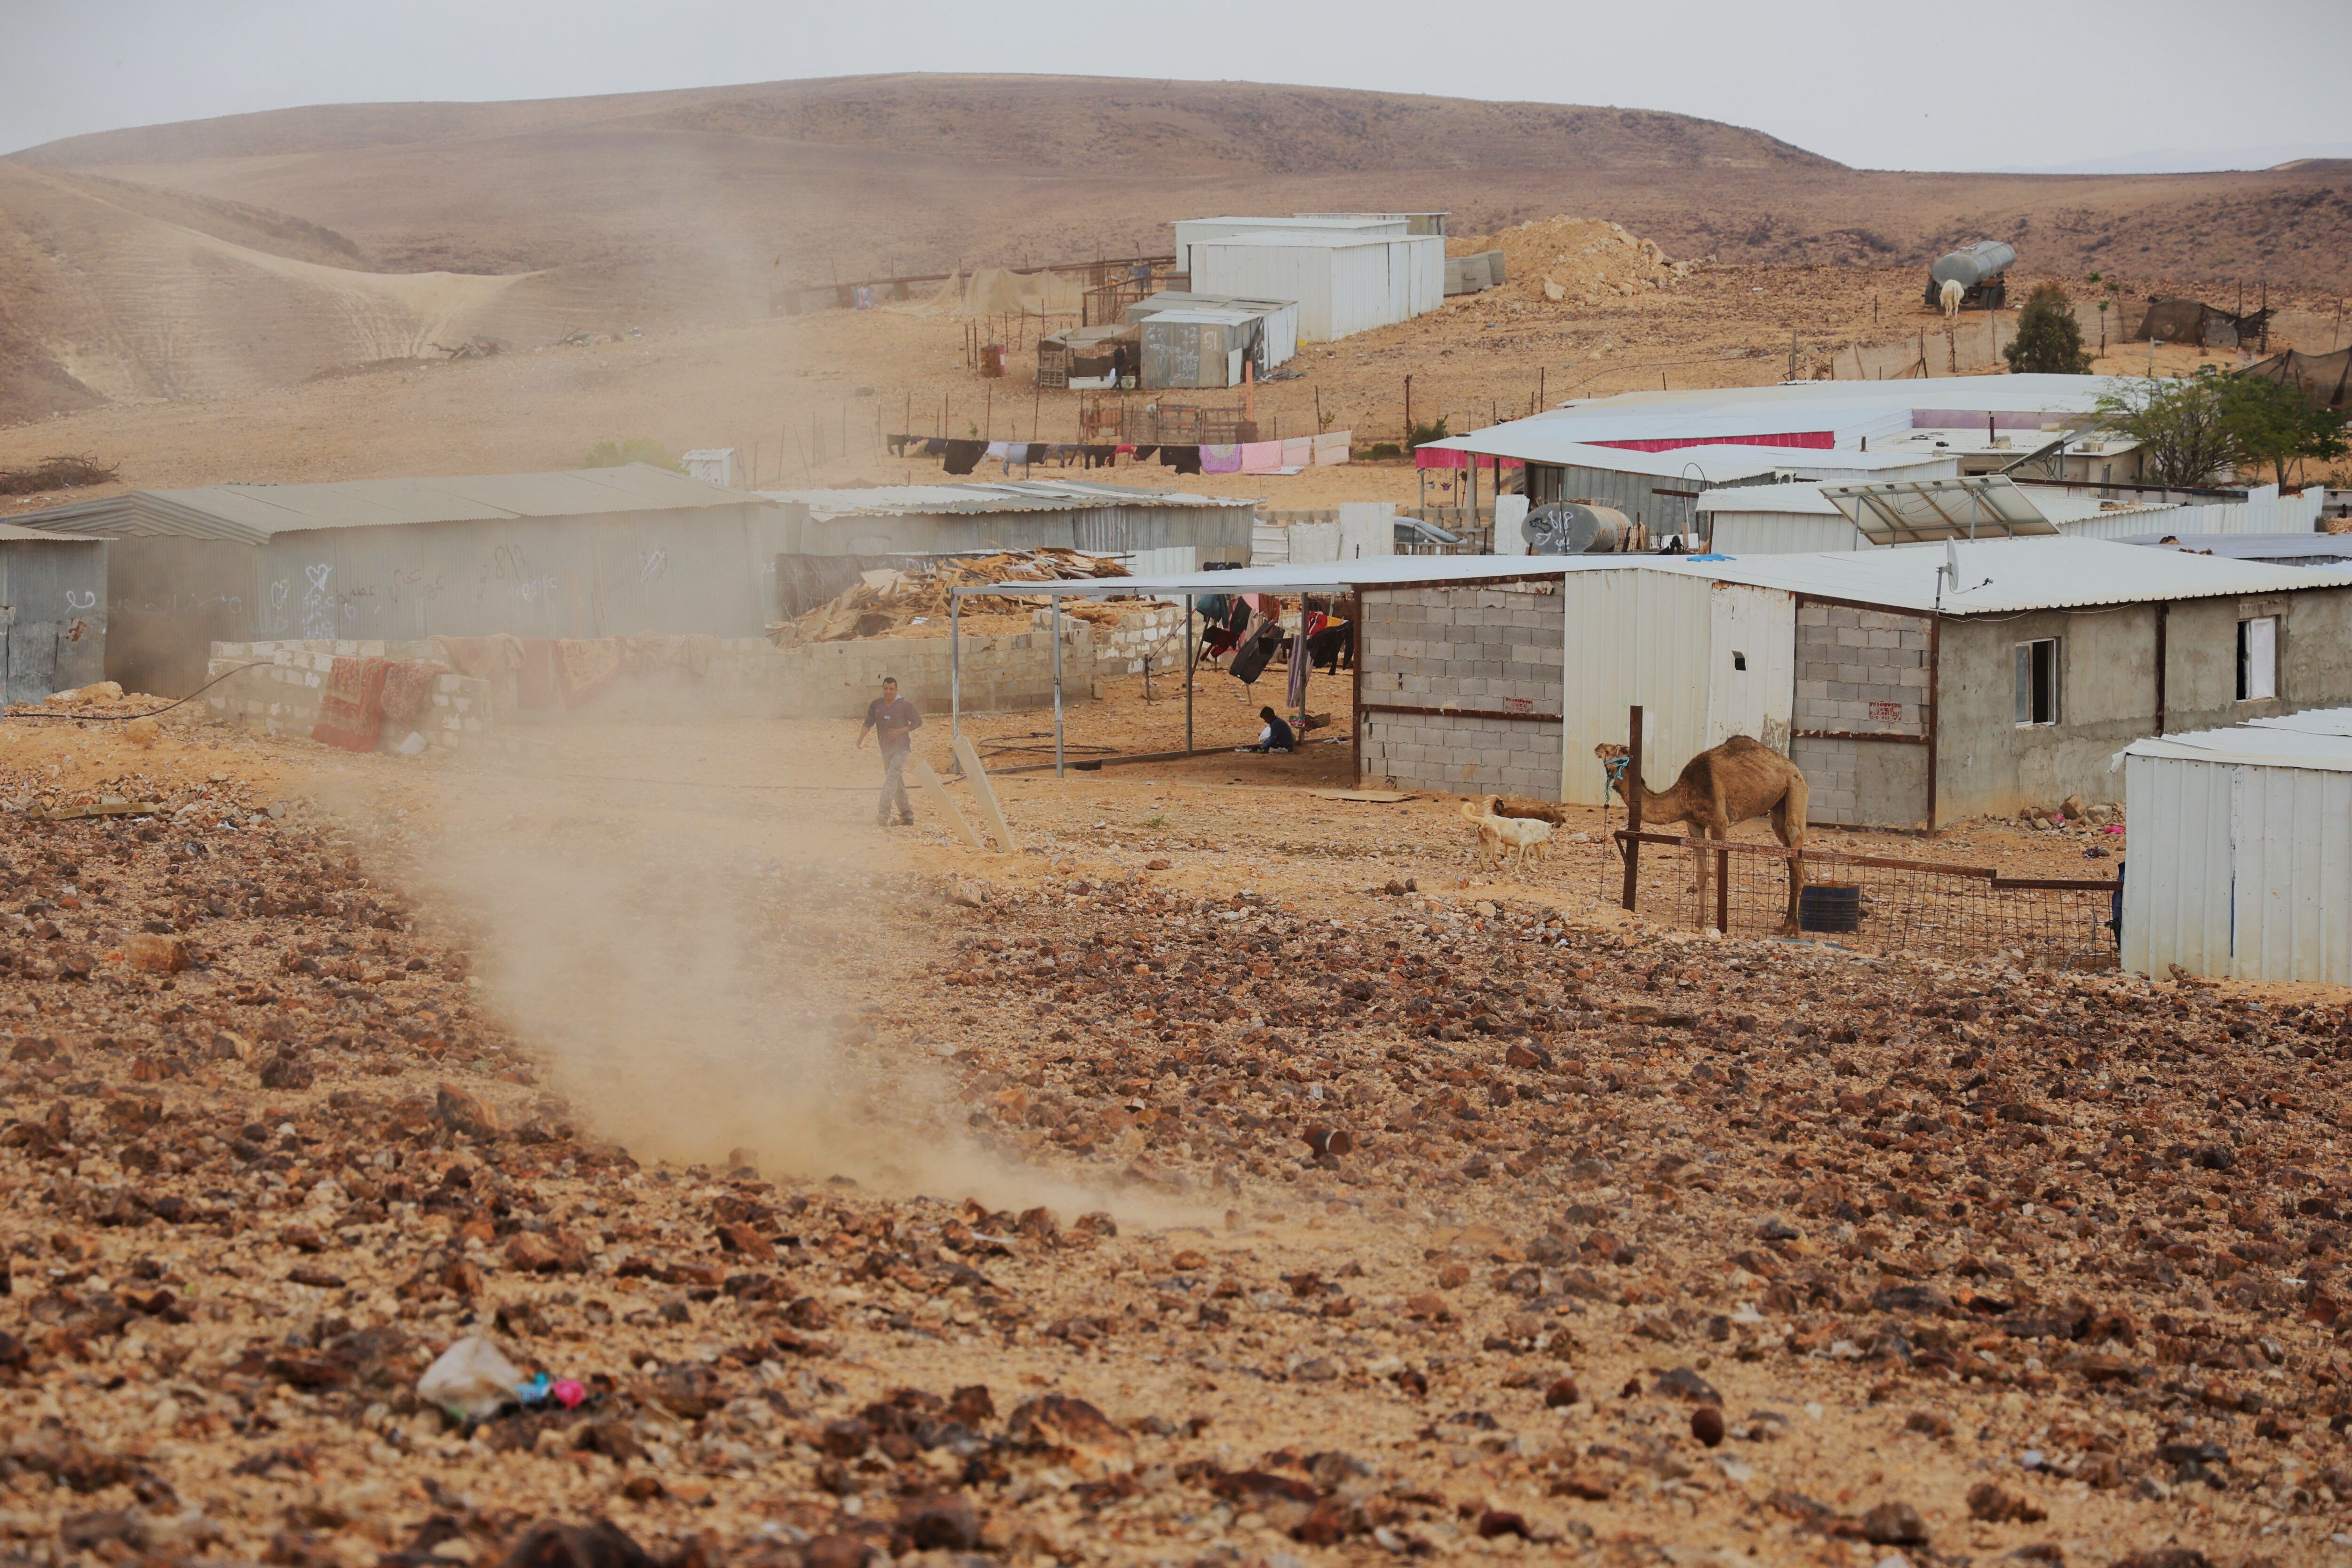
(1878, 904)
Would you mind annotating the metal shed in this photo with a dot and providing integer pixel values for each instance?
(1894, 681)
(1191, 232)
(52, 612)
(1199, 348)
(2241, 863)
(1279, 336)
(1100, 519)
(589, 553)
(1344, 283)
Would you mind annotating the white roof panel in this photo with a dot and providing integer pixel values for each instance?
(1998, 577)
(1013, 496)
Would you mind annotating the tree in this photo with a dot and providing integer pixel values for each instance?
(2274, 425)
(2183, 437)
(2049, 338)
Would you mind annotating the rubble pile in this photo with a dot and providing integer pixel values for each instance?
(1386, 1226)
(1579, 261)
(888, 599)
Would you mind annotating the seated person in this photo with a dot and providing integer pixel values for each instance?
(1277, 735)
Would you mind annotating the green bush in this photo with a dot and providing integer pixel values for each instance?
(635, 449)
(2049, 338)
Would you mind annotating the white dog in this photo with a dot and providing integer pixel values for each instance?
(1500, 835)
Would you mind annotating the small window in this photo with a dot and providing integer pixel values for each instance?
(2037, 681)
(2258, 659)
(1738, 660)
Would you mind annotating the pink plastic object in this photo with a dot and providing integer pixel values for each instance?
(567, 1393)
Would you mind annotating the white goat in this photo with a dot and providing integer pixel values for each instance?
(1952, 293)
(1498, 835)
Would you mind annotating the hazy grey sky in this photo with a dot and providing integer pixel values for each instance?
(1902, 84)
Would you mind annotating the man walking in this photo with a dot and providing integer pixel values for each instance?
(893, 719)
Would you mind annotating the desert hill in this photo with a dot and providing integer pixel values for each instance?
(250, 251)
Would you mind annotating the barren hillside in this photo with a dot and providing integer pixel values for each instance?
(153, 262)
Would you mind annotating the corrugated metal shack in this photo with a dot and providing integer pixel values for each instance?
(52, 612)
(1191, 232)
(1344, 283)
(1277, 342)
(1100, 519)
(592, 553)
(1907, 699)
(2241, 862)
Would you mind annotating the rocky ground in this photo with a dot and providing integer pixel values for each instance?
(1143, 1214)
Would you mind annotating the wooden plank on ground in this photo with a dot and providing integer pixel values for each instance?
(926, 778)
(991, 811)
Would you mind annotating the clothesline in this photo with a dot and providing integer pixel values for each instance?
(1184, 457)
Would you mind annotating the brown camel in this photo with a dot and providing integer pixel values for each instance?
(1721, 788)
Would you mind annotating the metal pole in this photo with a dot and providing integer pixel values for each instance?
(955, 666)
(1192, 664)
(1057, 685)
(1633, 802)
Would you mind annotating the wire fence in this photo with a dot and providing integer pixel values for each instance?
(1873, 902)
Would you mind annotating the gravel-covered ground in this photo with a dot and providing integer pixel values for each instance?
(1054, 1207)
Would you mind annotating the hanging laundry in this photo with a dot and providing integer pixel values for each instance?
(935, 446)
(1183, 459)
(1257, 650)
(1220, 459)
(898, 444)
(1261, 456)
(1298, 452)
(999, 448)
(962, 457)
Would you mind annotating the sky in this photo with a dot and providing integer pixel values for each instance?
(2092, 85)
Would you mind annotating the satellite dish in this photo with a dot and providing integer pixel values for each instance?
(1574, 528)
(1952, 561)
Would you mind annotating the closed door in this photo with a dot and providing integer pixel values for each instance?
(1751, 685)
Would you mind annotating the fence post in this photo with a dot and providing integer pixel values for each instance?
(1632, 803)
(1723, 891)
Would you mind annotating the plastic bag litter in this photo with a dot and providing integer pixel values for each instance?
(471, 1380)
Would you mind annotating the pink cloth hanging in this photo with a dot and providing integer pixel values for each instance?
(1261, 456)
(1220, 459)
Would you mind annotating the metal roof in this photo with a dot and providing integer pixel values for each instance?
(2252, 546)
(1530, 441)
(1849, 412)
(1803, 499)
(980, 500)
(1998, 577)
(2319, 740)
(11, 531)
(253, 514)
(1924, 511)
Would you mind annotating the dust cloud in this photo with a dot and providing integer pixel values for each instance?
(708, 950)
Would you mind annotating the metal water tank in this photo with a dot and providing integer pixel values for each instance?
(1575, 527)
(1968, 267)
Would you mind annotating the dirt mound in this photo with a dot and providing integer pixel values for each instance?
(1576, 260)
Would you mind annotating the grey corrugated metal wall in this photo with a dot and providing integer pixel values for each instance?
(708, 571)
(1099, 530)
(1638, 496)
(53, 601)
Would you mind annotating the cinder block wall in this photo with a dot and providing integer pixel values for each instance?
(281, 688)
(817, 680)
(1862, 671)
(1492, 657)
(1156, 630)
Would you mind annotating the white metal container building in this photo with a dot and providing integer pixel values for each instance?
(1344, 283)
(2241, 862)
(1191, 232)
(1280, 318)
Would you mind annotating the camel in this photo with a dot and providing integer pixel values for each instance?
(1719, 789)
(1952, 293)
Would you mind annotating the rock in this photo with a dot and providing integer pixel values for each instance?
(1591, 1486)
(1932, 1423)
(1561, 1393)
(1706, 1426)
(1495, 1521)
(532, 1254)
(463, 1112)
(1996, 1505)
(155, 955)
(602, 1544)
(1326, 1140)
(835, 1551)
(142, 733)
(286, 1070)
(1682, 1383)
(1894, 1525)
(939, 1524)
(1083, 1438)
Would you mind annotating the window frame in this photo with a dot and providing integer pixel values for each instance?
(2035, 678)
(2245, 683)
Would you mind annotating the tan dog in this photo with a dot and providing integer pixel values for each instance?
(1498, 836)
